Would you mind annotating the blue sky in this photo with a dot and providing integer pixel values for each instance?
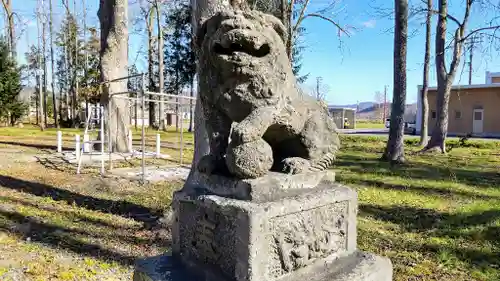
(353, 73)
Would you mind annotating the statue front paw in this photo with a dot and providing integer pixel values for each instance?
(244, 134)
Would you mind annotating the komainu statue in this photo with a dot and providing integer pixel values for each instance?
(257, 119)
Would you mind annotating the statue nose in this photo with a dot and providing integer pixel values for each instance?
(241, 22)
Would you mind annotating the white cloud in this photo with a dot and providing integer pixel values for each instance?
(369, 24)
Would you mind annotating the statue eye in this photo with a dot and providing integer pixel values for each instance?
(201, 33)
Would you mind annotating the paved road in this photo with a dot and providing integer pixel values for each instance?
(365, 131)
(383, 132)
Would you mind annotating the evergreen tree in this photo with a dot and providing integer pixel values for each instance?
(91, 77)
(32, 71)
(69, 72)
(134, 87)
(180, 61)
(296, 60)
(11, 108)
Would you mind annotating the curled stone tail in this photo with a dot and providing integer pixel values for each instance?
(324, 163)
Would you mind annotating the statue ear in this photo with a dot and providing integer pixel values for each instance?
(277, 25)
(200, 33)
(207, 26)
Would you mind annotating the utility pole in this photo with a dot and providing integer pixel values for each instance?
(318, 82)
(471, 45)
(471, 54)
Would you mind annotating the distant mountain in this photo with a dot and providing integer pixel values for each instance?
(373, 111)
(361, 105)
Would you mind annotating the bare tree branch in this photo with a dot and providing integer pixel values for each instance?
(329, 20)
(301, 16)
(495, 28)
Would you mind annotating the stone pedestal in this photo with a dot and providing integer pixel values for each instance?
(279, 227)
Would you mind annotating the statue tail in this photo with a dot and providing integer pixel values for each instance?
(323, 163)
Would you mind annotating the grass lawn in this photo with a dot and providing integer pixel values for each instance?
(436, 218)
(363, 124)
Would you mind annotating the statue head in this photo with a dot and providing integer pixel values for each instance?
(243, 51)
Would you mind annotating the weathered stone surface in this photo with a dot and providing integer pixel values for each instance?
(359, 266)
(249, 160)
(237, 220)
(247, 79)
(271, 187)
(245, 240)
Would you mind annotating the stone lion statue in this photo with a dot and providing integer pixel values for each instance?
(256, 117)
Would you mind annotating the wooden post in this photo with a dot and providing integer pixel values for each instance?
(158, 145)
(77, 147)
(59, 141)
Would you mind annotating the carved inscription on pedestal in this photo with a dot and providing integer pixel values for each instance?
(299, 239)
(203, 240)
(207, 237)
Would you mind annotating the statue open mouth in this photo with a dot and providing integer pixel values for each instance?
(240, 42)
(242, 48)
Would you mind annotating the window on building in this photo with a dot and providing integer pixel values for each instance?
(433, 114)
(478, 115)
(458, 114)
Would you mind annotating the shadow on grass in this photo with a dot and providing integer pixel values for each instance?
(438, 171)
(36, 145)
(474, 238)
(58, 237)
(422, 190)
(437, 223)
(50, 164)
(121, 208)
(75, 215)
(475, 259)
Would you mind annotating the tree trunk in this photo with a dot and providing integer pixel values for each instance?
(440, 130)
(445, 79)
(75, 104)
(136, 112)
(37, 102)
(66, 74)
(289, 25)
(44, 62)
(424, 131)
(152, 86)
(191, 113)
(60, 109)
(114, 64)
(161, 80)
(394, 152)
(7, 5)
(52, 78)
(86, 55)
(283, 10)
(177, 92)
(39, 76)
(87, 109)
(201, 9)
